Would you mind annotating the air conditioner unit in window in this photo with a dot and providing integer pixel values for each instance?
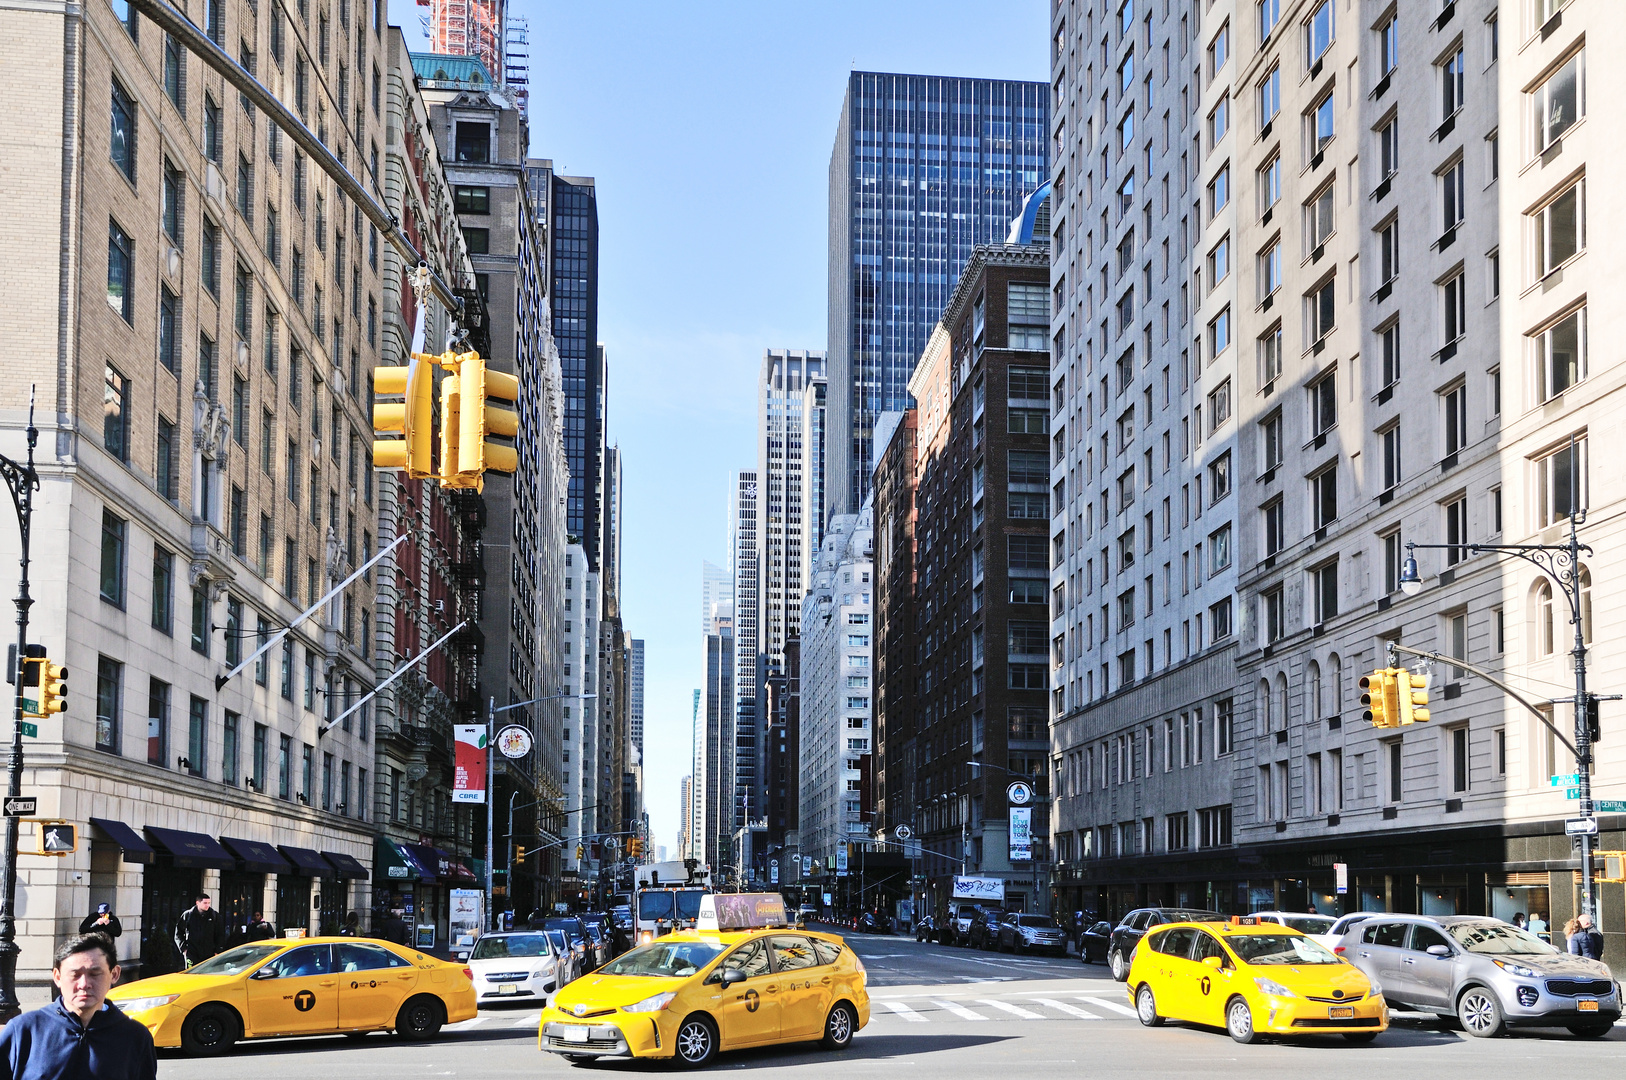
(214, 185)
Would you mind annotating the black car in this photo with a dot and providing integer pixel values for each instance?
(1031, 933)
(1132, 927)
(1093, 943)
(984, 933)
(872, 922)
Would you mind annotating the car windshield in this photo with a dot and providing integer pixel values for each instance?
(501, 946)
(236, 961)
(1308, 924)
(1268, 949)
(558, 939)
(1495, 939)
(673, 959)
(573, 927)
(1037, 920)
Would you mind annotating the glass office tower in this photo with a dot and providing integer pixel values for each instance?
(924, 168)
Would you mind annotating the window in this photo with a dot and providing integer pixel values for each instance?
(285, 767)
(1318, 125)
(1028, 314)
(1390, 438)
(1324, 403)
(1561, 483)
(1324, 587)
(1275, 528)
(228, 747)
(113, 549)
(1453, 203)
(1270, 354)
(1270, 13)
(1219, 50)
(1559, 230)
(1275, 621)
(1219, 406)
(1393, 560)
(210, 270)
(1456, 636)
(1318, 33)
(1270, 273)
(116, 413)
(1219, 262)
(122, 147)
(1214, 823)
(1455, 401)
(1389, 251)
(1219, 334)
(1270, 96)
(1389, 149)
(1318, 219)
(1219, 121)
(1390, 341)
(1219, 550)
(1324, 497)
(197, 742)
(165, 472)
(201, 615)
(1559, 102)
(473, 142)
(1454, 298)
(1219, 190)
(1318, 312)
(158, 723)
(1219, 478)
(1561, 355)
(212, 130)
(109, 687)
(1270, 184)
(245, 188)
(174, 196)
(175, 73)
(1271, 440)
(1451, 85)
(1395, 774)
(169, 326)
(120, 272)
(1388, 47)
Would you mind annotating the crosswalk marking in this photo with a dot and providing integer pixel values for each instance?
(959, 1010)
(528, 1021)
(1123, 1010)
(472, 1023)
(1070, 1010)
(1014, 1010)
(904, 1011)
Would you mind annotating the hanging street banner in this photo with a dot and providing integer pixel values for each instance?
(469, 769)
(1021, 838)
(514, 741)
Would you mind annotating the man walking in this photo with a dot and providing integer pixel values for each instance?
(1586, 941)
(199, 934)
(79, 1034)
(102, 922)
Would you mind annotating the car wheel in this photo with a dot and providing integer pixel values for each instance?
(419, 1019)
(1480, 1013)
(1119, 966)
(209, 1030)
(1239, 1021)
(839, 1027)
(696, 1041)
(1591, 1031)
(1146, 1007)
(1360, 1037)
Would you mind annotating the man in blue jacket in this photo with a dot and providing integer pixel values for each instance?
(79, 1034)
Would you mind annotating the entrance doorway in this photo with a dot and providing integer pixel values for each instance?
(293, 903)
(166, 892)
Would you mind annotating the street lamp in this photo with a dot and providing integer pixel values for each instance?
(22, 480)
(491, 792)
(1561, 564)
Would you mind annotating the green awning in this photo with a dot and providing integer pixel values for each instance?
(391, 862)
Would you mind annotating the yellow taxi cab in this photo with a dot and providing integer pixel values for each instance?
(743, 977)
(300, 986)
(1252, 978)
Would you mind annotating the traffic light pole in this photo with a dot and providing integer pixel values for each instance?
(22, 481)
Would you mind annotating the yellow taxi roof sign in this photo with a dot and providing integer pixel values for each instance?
(741, 911)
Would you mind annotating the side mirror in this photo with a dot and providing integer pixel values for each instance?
(1215, 962)
(1439, 950)
(726, 977)
(264, 973)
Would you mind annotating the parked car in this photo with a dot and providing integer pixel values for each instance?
(525, 964)
(874, 922)
(958, 928)
(1305, 922)
(569, 956)
(1093, 942)
(1341, 926)
(1031, 933)
(806, 913)
(576, 931)
(984, 932)
(926, 929)
(1489, 974)
(1133, 926)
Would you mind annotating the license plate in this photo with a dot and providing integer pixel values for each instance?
(507, 988)
(575, 1033)
(1587, 1006)
(1341, 1012)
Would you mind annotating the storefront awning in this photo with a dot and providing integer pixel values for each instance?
(307, 863)
(256, 857)
(136, 850)
(392, 862)
(348, 866)
(452, 871)
(190, 849)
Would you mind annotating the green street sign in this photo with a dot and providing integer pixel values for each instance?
(1611, 806)
(1572, 793)
(31, 730)
(1562, 781)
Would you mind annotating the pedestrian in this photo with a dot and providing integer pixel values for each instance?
(199, 934)
(351, 926)
(1584, 939)
(79, 1034)
(396, 929)
(258, 929)
(1518, 919)
(1538, 925)
(103, 922)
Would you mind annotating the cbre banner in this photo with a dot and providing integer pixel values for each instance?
(469, 770)
(1021, 833)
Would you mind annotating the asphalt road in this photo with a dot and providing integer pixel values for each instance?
(939, 1013)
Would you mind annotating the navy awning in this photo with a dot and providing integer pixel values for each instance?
(307, 862)
(256, 857)
(393, 862)
(453, 871)
(190, 849)
(136, 850)
(348, 866)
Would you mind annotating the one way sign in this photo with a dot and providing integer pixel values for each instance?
(21, 807)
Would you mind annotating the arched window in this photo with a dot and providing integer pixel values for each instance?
(1336, 678)
(1267, 722)
(1281, 699)
(1584, 579)
(1544, 618)
(1312, 693)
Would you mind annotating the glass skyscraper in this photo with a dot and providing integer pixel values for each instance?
(924, 168)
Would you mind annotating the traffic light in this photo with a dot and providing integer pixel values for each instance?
(477, 418)
(55, 838)
(635, 846)
(451, 399)
(519, 856)
(1413, 693)
(581, 852)
(53, 689)
(1594, 729)
(1380, 694)
(413, 416)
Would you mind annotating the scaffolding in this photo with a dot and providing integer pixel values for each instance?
(468, 28)
(517, 60)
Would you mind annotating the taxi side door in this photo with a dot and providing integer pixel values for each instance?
(804, 987)
(1170, 977)
(372, 984)
(1214, 973)
(295, 994)
(750, 1009)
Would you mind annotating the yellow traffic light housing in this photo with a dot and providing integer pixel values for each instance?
(478, 418)
(1413, 696)
(55, 838)
(1372, 697)
(580, 852)
(519, 856)
(1612, 865)
(53, 689)
(413, 416)
(451, 388)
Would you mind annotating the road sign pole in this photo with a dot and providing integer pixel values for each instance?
(22, 480)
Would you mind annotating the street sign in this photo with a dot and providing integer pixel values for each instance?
(911, 849)
(1581, 826)
(1611, 806)
(514, 741)
(31, 730)
(1341, 874)
(903, 832)
(1564, 781)
(22, 807)
(1572, 793)
(1019, 794)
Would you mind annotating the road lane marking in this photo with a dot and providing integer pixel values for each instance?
(1014, 1010)
(959, 1010)
(528, 1021)
(471, 1023)
(1124, 1010)
(904, 1011)
(1070, 1010)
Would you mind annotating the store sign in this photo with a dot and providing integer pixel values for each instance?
(986, 889)
(1021, 833)
(469, 768)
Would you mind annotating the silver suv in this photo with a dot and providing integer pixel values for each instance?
(1487, 973)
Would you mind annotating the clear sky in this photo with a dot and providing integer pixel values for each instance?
(708, 126)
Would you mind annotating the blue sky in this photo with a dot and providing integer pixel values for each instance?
(708, 126)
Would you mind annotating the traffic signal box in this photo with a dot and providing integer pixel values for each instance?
(1394, 697)
(519, 856)
(52, 681)
(467, 417)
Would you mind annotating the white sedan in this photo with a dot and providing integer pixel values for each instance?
(518, 966)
